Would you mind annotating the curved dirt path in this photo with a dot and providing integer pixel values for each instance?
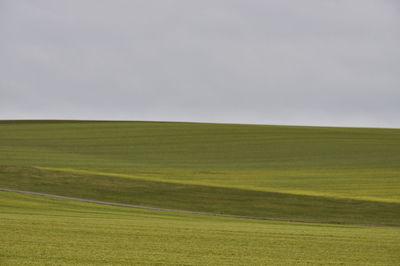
(171, 210)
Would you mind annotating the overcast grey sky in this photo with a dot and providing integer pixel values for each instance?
(307, 62)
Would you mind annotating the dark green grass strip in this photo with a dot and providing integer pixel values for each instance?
(201, 198)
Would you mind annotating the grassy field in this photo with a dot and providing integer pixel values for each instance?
(338, 162)
(42, 231)
(277, 171)
(319, 174)
(201, 198)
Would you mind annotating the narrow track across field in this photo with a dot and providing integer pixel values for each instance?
(172, 210)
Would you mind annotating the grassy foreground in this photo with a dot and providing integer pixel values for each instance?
(42, 231)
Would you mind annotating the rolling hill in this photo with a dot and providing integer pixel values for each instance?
(277, 171)
(344, 181)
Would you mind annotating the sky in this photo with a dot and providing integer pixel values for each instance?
(289, 62)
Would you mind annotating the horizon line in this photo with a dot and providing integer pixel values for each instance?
(188, 122)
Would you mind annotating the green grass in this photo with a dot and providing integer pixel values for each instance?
(318, 174)
(201, 198)
(42, 231)
(349, 175)
(343, 162)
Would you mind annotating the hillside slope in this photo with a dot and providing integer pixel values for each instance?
(324, 174)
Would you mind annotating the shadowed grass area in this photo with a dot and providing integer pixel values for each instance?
(196, 178)
(43, 231)
(201, 198)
